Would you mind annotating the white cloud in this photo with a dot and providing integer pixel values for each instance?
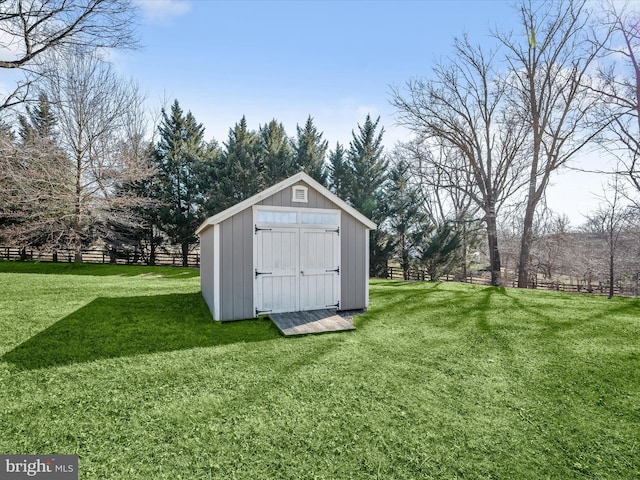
(162, 11)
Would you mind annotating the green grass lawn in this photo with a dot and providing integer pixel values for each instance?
(124, 367)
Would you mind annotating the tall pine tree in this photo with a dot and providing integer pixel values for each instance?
(367, 173)
(339, 172)
(40, 121)
(276, 154)
(368, 169)
(310, 151)
(407, 223)
(179, 152)
(239, 169)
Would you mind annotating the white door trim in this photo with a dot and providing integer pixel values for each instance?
(300, 223)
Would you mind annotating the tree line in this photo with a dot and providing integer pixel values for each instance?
(71, 185)
(491, 126)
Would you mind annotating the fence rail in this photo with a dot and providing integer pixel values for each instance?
(599, 288)
(97, 256)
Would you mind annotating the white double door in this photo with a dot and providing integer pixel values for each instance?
(297, 268)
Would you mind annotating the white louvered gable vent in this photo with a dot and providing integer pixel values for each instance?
(300, 194)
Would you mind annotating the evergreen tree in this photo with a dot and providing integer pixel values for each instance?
(210, 176)
(439, 253)
(407, 223)
(277, 154)
(339, 173)
(239, 169)
(366, 172)
(179, 152)
(310, 151)
(40, 121)
(367, 168)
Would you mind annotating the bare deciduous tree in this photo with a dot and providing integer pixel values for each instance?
(37, 193)
(31, 28)
(98, 117)
(463, 108)
(622, 92)
(444, 191)
(548, 83)
(610, 221)
(551, 250)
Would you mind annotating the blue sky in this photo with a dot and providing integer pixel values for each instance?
(333, 60)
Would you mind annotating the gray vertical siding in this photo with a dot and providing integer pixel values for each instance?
(354, 271)
(236, 262)
(283, 199)
(236, 258)
(206, 267)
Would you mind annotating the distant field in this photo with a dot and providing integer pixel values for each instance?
(124, 367)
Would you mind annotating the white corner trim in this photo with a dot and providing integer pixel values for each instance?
(216, 272)
(366, 271)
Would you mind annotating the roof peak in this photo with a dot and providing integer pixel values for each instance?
(292, 180)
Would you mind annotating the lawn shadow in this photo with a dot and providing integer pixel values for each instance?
(121, 327)
(425, 300)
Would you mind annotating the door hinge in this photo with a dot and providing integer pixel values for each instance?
(258, 312)
(335, 230)
(262, 273)
(258, 229)
(337, 270)
(336, 305)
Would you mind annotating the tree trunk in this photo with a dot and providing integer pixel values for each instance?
(464, 252)
(404, 257)
(77, 220)
(494, 252)
(535, 193)
(611, 266)
(185, 254)
(152, 247)
(525, 249)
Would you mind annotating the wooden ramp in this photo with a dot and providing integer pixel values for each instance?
(314, 321)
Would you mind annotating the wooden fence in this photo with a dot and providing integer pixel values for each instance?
(97, 256)
(599, 288)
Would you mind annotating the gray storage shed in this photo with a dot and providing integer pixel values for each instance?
(292, 247)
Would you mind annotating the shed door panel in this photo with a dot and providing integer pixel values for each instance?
(297, 268)
(319, 268)
(277, 269)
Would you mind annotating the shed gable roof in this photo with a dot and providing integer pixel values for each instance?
(300, 176)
